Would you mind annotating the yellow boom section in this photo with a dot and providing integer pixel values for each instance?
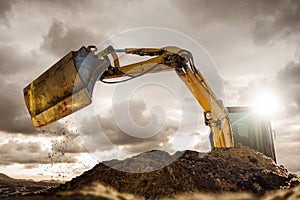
(171, 58)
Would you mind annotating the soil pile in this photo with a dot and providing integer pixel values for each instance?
(238, 169)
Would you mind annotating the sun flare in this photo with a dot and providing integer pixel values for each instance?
(266, 103)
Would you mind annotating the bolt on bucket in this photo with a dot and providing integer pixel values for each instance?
(64, 88)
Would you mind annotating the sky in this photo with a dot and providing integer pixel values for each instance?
(253, 44)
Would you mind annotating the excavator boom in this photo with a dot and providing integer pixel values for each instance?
(68, 85)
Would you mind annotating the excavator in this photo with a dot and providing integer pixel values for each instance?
(68, 85)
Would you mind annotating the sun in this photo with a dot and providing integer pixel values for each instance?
(266, 103)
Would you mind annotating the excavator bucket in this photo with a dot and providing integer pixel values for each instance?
(64, 88)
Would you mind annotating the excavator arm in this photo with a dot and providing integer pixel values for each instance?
(174, 58)
(164, 59)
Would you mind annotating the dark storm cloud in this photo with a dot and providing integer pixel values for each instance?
(134, 144)
(267, 18)
(62, 39)
(14, 62)
(14, 117)
(7, 63)
(110, 135)
(15, 65)
(287, 83)
(208, 11)
(5, 6)
(278, 18)
(66, 5)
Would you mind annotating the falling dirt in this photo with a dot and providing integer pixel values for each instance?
(223, 170)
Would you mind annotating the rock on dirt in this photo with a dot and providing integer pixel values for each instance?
(238, 169)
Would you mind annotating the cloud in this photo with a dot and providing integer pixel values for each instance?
(31, 166)
(290, 156)
(135, 144)
(14, 151)
(214, 11)
(5, 7)
(105, 133)
(65, 5)
(15, 62)
(62, 39)
(69, 144)
(277, 19)
(63, 140)
(22, 152)
(15, 66)
(267, 19)
(14, 117)
(288, 84)
(285, 83)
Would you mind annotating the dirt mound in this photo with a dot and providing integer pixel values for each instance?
(146, 162)
(236, 169)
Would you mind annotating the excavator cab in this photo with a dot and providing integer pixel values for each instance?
(252, 129)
